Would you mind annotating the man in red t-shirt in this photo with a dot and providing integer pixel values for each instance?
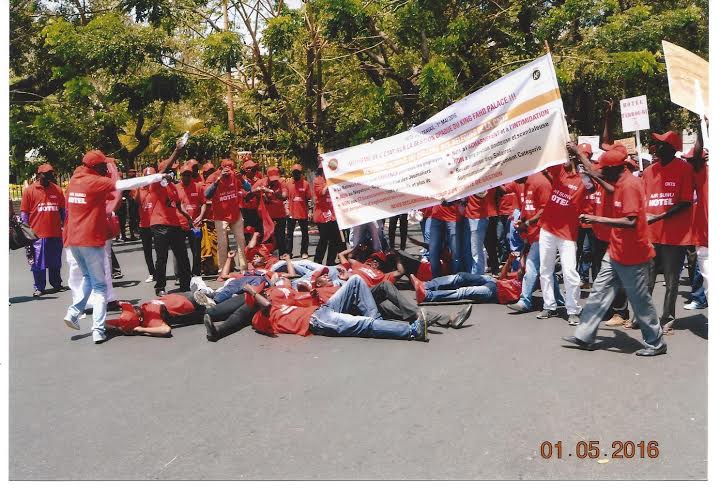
(192, 198)
(669, 191)
(445, 223)
(43, 208)
(299, 194)
(145, 206)
(558, 234)
(330, 239)
(86, 232)
(274, 192)
(697, 157)
(627, 262)
(479, 209)
(223, 188)
(251, 200)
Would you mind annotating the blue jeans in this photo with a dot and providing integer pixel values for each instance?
(334, 318)
(698, 291)
(91, 261)
(474, 238)
(461, 286)
(530, 279)
(515, 242)
(425, 228)
(584, 253)
(367, 231)
(305, 268)
(442, 233)
(236, 286)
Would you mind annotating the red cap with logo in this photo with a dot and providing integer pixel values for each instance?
(613, 155)
(208, 166)
(249, 164)
(318, 273)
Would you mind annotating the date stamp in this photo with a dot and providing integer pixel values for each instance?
(591, 450)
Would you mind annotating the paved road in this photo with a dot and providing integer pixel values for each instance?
(471, 404)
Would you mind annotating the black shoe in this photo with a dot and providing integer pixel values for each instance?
(546, 314)
(61, 288)
(114, 306)
(457, 321)
(160, 293)
(212, 334)
(579, 343)
(652, 351)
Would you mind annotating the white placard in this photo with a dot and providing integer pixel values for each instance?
(634, 112)
(593, 141)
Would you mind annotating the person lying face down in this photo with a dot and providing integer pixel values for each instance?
(155, 317)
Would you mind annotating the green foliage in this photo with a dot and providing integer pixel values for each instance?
(223, 50)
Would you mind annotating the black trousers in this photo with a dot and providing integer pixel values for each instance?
(304, 241)
(122, 218)
(582, 256)
(252, 219)
(114, 261)
(620, 304)
(330, 241)
(195, 250)
(134, 218)
(280, 233)
(491, 240)
(670, 258)
(147, 245)
(235, 313)
(168, 238)
(393, 306)
(392, 227)
(503, 228)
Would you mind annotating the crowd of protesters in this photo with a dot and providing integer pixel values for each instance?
(606, 224)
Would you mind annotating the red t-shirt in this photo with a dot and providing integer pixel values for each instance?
(604, 208)
(326, 292)
(87, 224)
(291, 319)
(665, 186)
(630, 246)
(275, 206)
(587, 206)
(252, 203)
(43, 205)
(298, 196)
(192, 198)
(537, 193)
(700, 210)
(226, 200)
(371, 276)
(508, 202)
(323, 211)
(164, 201)
(450, 213)
(517, 191)
(145, 207)
(481, 207)
(176, 305)
(508, 290)
(562, 209)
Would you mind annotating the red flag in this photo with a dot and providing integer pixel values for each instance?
(268, 224)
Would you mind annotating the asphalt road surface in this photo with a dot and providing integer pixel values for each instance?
(475, 403)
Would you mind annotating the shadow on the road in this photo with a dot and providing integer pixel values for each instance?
(620, 343)
(696, 324)
(129, 249)
(77, 337)
(125, 284)
(26, 298)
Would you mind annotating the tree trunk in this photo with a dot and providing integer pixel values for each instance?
(229, 95)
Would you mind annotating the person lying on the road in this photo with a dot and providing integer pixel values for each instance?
(468, 286)
(350, 311)
(370, 270)
(157, 317)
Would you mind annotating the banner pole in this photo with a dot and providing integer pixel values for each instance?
(638, 146)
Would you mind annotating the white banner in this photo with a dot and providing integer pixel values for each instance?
(509, 129)
(634, 113)
(593, 141)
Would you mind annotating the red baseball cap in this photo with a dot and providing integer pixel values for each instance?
(227, 163)
(690, 154)
(93, 158)
(249, 164)
(132, 169)
(45, 168)
(208, 166)
(586, 149)
(148, 171)
(614, 155)
(273, 174)
(318, 273)
(186, 168)
(379, 255)
(192, 163)
(297, 167)
(671, 138)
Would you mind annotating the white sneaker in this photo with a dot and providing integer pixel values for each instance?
(694, 305)
(203, 299)
(149, 279)
(99, 337)
(71, 323)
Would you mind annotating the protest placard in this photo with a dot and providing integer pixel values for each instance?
(634, 114)
(687, 78)
(509, 129)
(593, 141)
(629, 143)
